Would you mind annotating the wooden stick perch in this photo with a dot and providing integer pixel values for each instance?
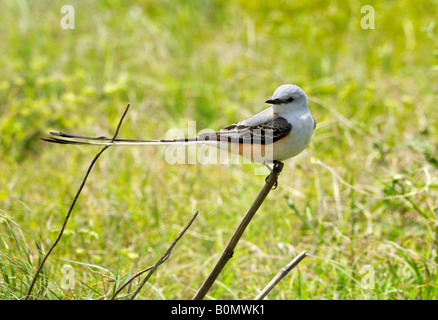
(271, 181)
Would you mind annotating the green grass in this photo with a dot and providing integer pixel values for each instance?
(363, 196)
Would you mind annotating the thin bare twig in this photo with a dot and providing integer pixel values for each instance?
(61, 232)
(283, 272)
(129, 282)
(229, 250)
(164, 257)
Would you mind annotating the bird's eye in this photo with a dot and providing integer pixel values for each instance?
(290, 99)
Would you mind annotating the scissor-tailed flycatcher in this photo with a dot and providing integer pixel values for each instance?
(283, 130)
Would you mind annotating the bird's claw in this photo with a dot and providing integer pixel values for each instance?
(275, 183)
(278, 166)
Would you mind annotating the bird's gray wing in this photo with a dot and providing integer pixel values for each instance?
(260, 129)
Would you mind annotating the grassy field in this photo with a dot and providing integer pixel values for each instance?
(361, 200)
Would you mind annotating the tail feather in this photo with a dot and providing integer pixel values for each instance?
(68, 135)
(101, 138)
(66, 138)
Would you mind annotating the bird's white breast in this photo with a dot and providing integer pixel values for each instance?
(298, 139)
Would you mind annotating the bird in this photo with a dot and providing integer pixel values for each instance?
(279, 132)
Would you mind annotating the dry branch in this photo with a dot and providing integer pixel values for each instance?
(271, 181)
(61, 232)
(129, 282)
(164, 257)
(283, 272)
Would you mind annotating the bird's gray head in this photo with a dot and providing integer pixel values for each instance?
(287, 94)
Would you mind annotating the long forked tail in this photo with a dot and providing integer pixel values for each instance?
(66, 138)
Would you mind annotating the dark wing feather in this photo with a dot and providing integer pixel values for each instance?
(262, 133)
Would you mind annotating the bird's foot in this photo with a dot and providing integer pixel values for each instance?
(278, 166)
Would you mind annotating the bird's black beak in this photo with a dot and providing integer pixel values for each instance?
(273, 101)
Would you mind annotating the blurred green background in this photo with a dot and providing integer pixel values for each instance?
(362, 198)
